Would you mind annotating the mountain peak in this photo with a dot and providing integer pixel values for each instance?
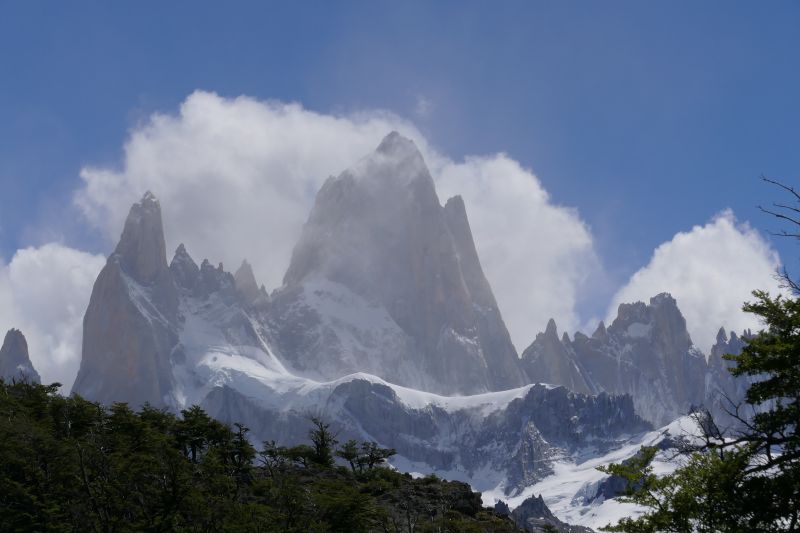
(379, 231)
(141, 250)
(600, 332)
(551, 328)
(149, 197)
(394, 144)
(184, 270)
(663, 299)
(15, 363)
(246, 283)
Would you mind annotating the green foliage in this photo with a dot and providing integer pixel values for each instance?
(67, 464)
(324, 442)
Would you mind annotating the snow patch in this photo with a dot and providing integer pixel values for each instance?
(638, 330)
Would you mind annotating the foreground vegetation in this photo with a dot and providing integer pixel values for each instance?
(67, 464)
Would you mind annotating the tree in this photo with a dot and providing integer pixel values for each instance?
(373, 455)
(349, 452)
(789, 215)
(323, 440)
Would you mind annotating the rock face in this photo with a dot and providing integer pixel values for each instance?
(646, 352)
(129, 328)
(552, 360)
(15, 363)
(379, 239)
(534, 516)
(723, 390)
(247, 285)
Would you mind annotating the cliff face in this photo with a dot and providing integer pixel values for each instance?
(129, 329)
(646, 352)
(552, 360)
(15, 363)
(377, 235)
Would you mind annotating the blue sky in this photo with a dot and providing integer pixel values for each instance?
(648, 118)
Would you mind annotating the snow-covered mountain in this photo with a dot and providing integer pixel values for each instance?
(385, 280)
(15, 363)
(645, 352)
(210, 339)
(387, 327)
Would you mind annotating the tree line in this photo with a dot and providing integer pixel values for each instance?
(68, 464)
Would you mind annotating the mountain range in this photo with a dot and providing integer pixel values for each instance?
(386, 325)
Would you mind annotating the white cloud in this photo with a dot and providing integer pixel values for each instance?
(44, 292)
(711, 271)
(237, 177)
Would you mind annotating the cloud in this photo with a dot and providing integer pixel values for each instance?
(711, 271)
(237, 178)
(44, 292)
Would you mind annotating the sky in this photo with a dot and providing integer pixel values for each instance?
(606, 151)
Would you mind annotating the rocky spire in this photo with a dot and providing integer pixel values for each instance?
(15, 362)
(141, 250)
(379, 231)
(246, 283)
(600, 332)
(551, 360)
(184, 270)
(129, 330)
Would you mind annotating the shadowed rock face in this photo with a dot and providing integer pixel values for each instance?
(379, 232)
(15, 363)
(129, 327)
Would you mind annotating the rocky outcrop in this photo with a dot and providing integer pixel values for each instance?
(129, 330)
(378, 236)
(247, 286)
(534, 516)
(15, 363)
